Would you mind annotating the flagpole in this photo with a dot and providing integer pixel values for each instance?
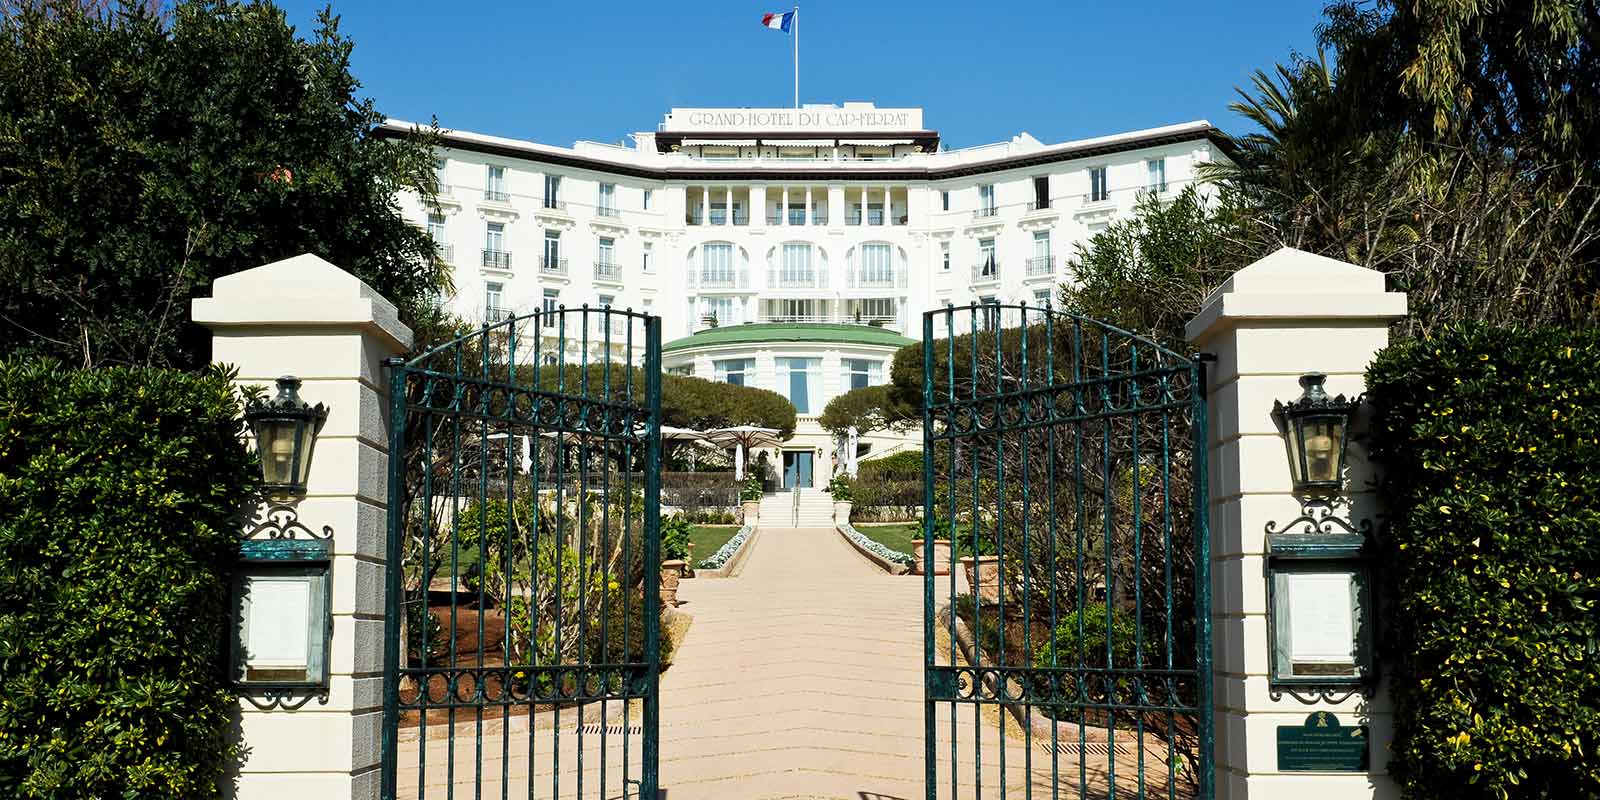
(796, 56)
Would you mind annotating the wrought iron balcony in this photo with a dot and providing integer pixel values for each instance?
(607, 271)
(554, 205)
(1041, 265)
(986, 271)
(1035, 205)
(720, 280)
(984, 212)
(496, 194)
(607, 211)
(497, 259)
(797, 279)
(552, 266)
(877, 279)
(445, 251)
(493, 314)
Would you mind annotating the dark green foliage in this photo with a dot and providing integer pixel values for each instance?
(751, 489)
(842, 488)
(144, 155)
(1070, 648)
(122, 489)
(675, 532)
(1490, 444)
(866, 409)
(904, 465)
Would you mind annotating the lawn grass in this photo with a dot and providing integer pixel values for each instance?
(895, 536)
(708, 539)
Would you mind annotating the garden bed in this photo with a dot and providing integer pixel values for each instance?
(891, 561)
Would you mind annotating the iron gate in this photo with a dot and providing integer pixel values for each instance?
(1067, 642)
(522, 646)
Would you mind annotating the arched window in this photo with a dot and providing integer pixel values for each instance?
(876, 265)
(797, 265)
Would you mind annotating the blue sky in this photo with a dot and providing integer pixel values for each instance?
(557, 72)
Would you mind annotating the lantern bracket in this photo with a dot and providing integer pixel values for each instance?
(280, 520)
(1317, 516)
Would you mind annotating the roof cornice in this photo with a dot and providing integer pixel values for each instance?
(1048, 155)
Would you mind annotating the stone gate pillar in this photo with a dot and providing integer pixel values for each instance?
(305, 317)
(1287, 314)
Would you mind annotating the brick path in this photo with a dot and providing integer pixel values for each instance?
(801, 678)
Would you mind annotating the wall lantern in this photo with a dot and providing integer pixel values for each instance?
(1315, 427)
(285, 429)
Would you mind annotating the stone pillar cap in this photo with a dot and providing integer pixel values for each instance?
(304, 291)
(1295, 284)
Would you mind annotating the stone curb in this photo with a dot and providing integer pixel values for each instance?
(735, 564)
(876, 560)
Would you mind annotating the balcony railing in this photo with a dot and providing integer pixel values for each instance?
(1041, 265)
(716, 218)
(797, 279)
(497, 259)
(446, 251)
(496, 194)
(493, 314)
(607, 211)
(554, 205)
(607, 271)
(986, 272)
(552, 266)
(1035, 205)
(877, 279)
(776, 217)
(984, 212)
(877, 321)
(719, 280)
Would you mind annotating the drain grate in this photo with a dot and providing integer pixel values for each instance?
(597, 729)
(1089, 748)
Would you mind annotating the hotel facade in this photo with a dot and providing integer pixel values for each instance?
(789, 249)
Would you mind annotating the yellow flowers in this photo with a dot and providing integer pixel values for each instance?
(1459, 739)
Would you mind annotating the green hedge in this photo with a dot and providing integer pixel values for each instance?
(121, 489)
(1490, 442)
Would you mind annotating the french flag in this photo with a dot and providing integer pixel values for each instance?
(778, 22)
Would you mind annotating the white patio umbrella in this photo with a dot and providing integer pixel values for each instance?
(740, 438)
(852, 446)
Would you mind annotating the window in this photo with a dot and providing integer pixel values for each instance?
(436, 229)
(1041, 297)
(796, 265)
(794, 378)
(860, 373)
(441, 184)
(1041, 191)
(552, 191)
(944, 255)
(494, 238)
(1157, 168)
(876, 308)
(944, 199)
(797, 208)
(991, 311)
(552, 302)
(608, 251)
(1041, 263)
(986, 200)
(494, 187)
(682, 369)
(794, 310)
(607, 206)
(552, 252)
(1097, 185)
(649, 195)
(720, 308)
(987, 267)
(875, 212)
(735, 370)
(877, 265)
(716, 264)
(493, 309)
(605, 300)
(645, 256)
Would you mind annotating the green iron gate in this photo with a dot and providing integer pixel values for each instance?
(522, 647)
(1067, 644)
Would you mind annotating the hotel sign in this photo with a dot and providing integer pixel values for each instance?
(770, 120)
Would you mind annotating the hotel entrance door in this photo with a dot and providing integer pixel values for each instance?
(797, 469)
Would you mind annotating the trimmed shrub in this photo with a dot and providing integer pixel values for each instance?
(123, 490)
(1490, 443)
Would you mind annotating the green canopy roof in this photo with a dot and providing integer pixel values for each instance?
(764, 332)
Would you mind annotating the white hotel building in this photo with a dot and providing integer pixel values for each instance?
(791, 249)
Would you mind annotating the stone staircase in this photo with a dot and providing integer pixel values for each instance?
(816, 509)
